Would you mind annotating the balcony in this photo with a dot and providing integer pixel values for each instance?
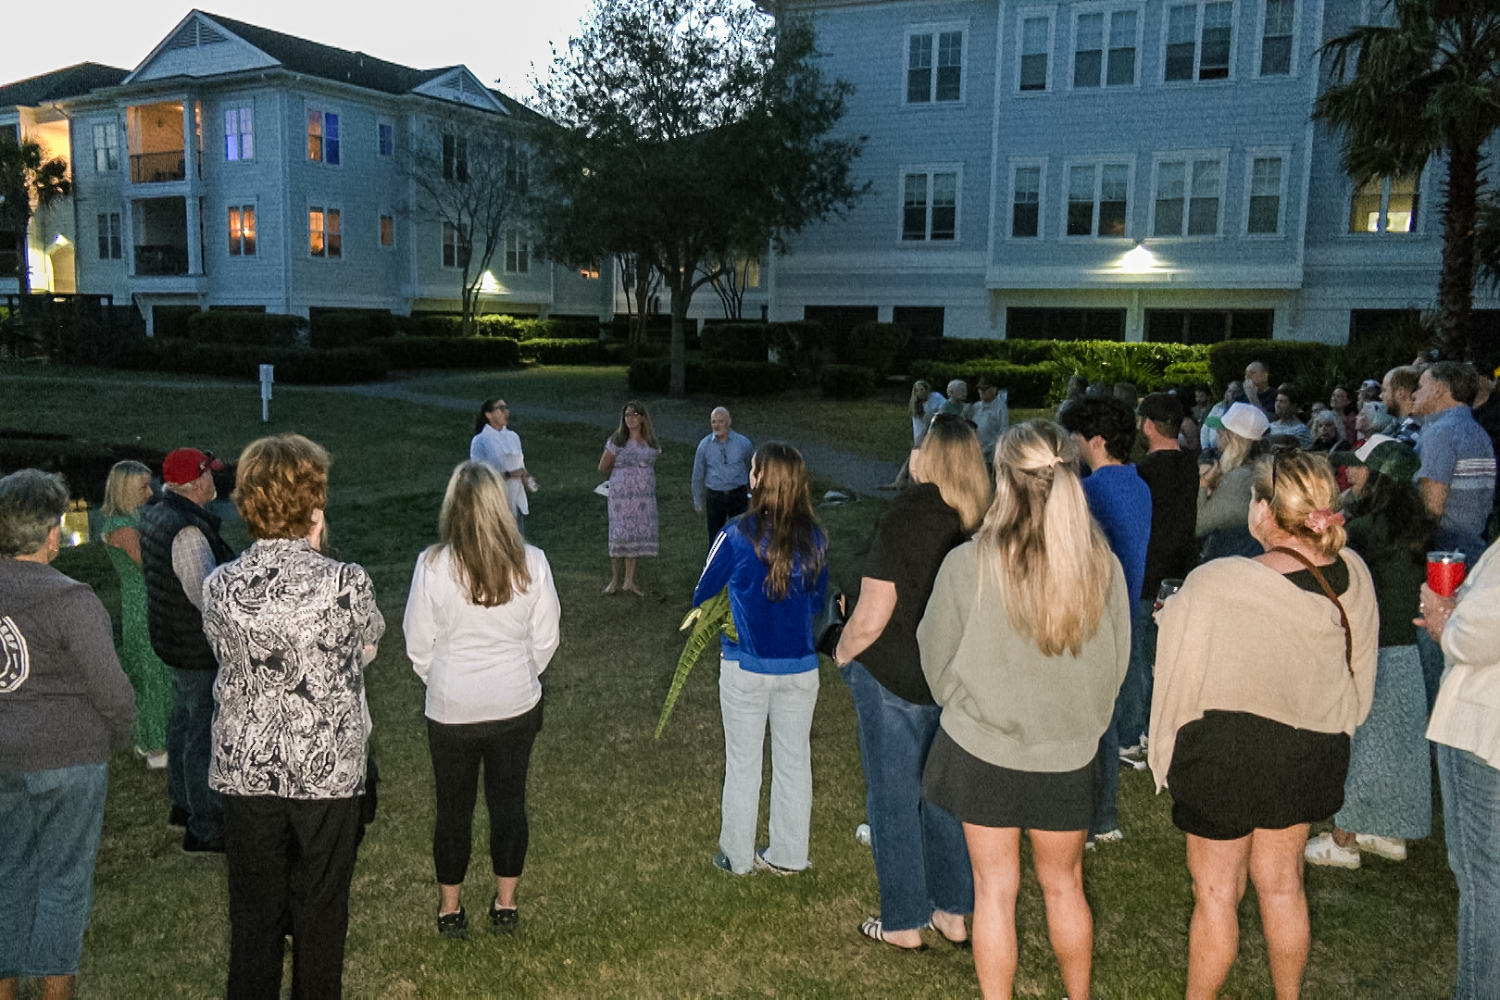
(161, 259)
(157, 168)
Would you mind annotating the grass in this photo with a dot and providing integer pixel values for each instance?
(619, 898)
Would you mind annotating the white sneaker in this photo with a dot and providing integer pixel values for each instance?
(1324, 850)
(1390, 848)
(156, 759)
(862, 834)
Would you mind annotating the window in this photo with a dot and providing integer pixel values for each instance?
(109, 236)
(455, 248)
(323, 235)
(455, 158)
(239, 133)
(242, 231)
(387, 230)
(385, 139)
(1194, 54)
(1276, 38)
(1187, 191)
(929, 208)
(1265, 195)
(322, 136)
(1036, 49)
(1026, 201)
(516, 169)
(106, 147)
(516, 253)
(934, 66)
(1104, 49)
(1064, 324)
(1098, 199)
(1385, 205)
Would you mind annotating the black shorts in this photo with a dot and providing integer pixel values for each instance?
(1234, 772)
(988, 795)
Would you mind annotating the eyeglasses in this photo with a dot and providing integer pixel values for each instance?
(633, 413)
(500, 406)
(208, 460)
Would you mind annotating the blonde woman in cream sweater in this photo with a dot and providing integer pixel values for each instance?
(1252, 738)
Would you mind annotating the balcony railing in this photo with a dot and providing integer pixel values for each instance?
(157, 168)
(161, 259)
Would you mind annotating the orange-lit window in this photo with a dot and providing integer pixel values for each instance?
(323, 233)
(387, 230)
(242, 231)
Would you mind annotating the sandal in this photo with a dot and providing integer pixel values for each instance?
(632, 588)
(503, 919)
(610, 588)
(962, 944)
(872, 929)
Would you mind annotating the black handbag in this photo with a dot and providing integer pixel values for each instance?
(828, 624)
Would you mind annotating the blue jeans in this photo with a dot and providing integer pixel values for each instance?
(1471, 820)
(921, 859)
(50, 822)
(1133, 703)
(748, 700)
(189, 747)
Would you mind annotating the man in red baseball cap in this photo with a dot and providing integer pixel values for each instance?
(180, 546)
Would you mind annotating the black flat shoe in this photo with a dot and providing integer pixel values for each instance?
(454, 926)
(503, 919)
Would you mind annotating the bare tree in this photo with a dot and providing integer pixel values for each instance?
(640, 281)
(731, 276)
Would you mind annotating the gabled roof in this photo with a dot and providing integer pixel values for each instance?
(326, 61)
(71, 81)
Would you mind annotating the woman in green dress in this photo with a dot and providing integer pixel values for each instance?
(125, 493)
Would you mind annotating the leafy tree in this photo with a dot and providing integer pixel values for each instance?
(472, 184)
(29, 181)
(1425, 85)
(689, 129)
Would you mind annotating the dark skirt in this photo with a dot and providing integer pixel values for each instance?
(1234, 772)
(988, 795)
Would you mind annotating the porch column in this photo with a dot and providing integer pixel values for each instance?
(1135, 318)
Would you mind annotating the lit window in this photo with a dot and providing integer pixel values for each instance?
(106, 147)
(1276, 38)
(385, 138)
(242, 230)
(1098, 199)
(239, 133)
(387, 230)
(1036, 33)
(1265, 195)
(1198, 41)
(589, 271)
(1104, 49)
(517, 253)
(934, 66)
(1385, 205)
(109, 236)
(929, 209)
(323, 233)
(322, 136)
(1187, 191)
(1026, 202)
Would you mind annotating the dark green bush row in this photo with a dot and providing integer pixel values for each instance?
(305, 366)
(846, 381)
(808, 346)
(351, 327)
(726, 378)
(1027, 385)
(734, 341)
(450, 352)
(571, 351)
(1309, 365)
(231, 326)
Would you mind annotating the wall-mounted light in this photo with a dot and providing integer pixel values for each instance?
(1138, 260)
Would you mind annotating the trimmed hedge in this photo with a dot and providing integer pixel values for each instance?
(1307, 364)
(433, 325)
(351, 327)
(846, 381)
(880, 347)
(1028, 385)
(734, 341)
(572, 351)
(726, 378)
(298, 366)
(231, 326)
(1193, 373)
(805, 346)
(450, 352)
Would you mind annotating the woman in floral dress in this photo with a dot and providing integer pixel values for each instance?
(629, 460)
(125, 493)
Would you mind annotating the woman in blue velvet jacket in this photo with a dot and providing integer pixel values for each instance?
(773, 560)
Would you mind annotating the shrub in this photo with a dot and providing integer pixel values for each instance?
(846, 381)
(803, 345)
(294, 365)
(1029, 386)
(650, 375)
(450, 352)
(723, 378)
(1142, 364)
(1304, 363)
(351, 327)
(1193, 373)
(562, 352)
(734, 341)
(880, 347)
(434, 325)
(231, 326)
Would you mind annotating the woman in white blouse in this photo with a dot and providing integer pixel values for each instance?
(481, 625)
(499, 447)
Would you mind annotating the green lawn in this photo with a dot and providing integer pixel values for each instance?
(620, 898)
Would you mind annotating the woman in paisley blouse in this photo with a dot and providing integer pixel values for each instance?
(293, 630)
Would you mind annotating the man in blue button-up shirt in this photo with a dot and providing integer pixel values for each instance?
(722, 466)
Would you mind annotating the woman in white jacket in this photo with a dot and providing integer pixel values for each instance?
(1465, 726)
(481, 625)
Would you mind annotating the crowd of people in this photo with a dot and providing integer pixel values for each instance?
(1043, 606)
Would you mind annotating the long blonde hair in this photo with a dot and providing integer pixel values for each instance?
(118, 496)
(1303, 493)
(1040, 543)
(1234, 451)
(477, 528)
(951, 461)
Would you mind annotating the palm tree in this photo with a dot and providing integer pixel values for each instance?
(1426, 85)
(29, 180)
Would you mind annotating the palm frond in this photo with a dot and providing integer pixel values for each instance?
(707, 621)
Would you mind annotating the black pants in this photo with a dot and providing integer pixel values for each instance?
(504, 748)
(722, 505)
(290, 862)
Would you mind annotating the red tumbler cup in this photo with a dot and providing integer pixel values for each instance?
(1445, 571)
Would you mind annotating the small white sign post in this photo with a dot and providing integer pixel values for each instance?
(267, 376)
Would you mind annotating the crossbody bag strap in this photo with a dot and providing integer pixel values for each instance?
(1317, 575)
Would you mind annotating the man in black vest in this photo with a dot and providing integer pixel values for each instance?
(180, 546)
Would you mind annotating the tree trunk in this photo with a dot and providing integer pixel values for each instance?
(1456, 283)
(638, 327)
(682, 294)
(23, 262)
